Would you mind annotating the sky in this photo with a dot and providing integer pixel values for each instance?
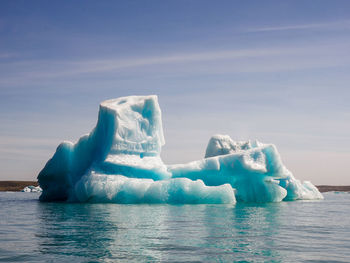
(275, 71)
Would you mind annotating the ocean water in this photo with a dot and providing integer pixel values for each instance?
(300, 231)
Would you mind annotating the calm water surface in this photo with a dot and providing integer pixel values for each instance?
(302, 231)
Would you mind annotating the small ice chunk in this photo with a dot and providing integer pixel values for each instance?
(32, 189)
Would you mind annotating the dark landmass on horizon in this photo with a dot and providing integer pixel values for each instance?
(336, 188)
(17, 186)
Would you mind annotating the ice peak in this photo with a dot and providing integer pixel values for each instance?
(136, 123)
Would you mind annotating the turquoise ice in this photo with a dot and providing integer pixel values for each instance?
(119, 162)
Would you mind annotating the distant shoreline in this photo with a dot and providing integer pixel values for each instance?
(17, 186)
(331, 188)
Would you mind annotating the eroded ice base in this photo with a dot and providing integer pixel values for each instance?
(121, 189)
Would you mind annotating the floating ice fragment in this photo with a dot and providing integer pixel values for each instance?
(32, 189)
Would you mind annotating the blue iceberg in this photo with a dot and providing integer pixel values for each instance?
(119, 162)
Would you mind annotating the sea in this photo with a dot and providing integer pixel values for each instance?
(298, 231)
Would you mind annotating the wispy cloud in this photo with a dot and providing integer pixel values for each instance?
(7, 55)
(219, 61)
(107, 65)
(68, 68)
(329, 25)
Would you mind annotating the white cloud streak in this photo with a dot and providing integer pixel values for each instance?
(69, 68)
(227, 61)
(329, 25)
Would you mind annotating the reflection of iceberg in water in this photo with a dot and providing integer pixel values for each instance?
(75, 230)
(169, 233)
(119, 161)
(252, 229)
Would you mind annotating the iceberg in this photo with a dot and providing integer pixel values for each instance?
(119, 162)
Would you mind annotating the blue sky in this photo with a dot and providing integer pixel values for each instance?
(276, 71)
